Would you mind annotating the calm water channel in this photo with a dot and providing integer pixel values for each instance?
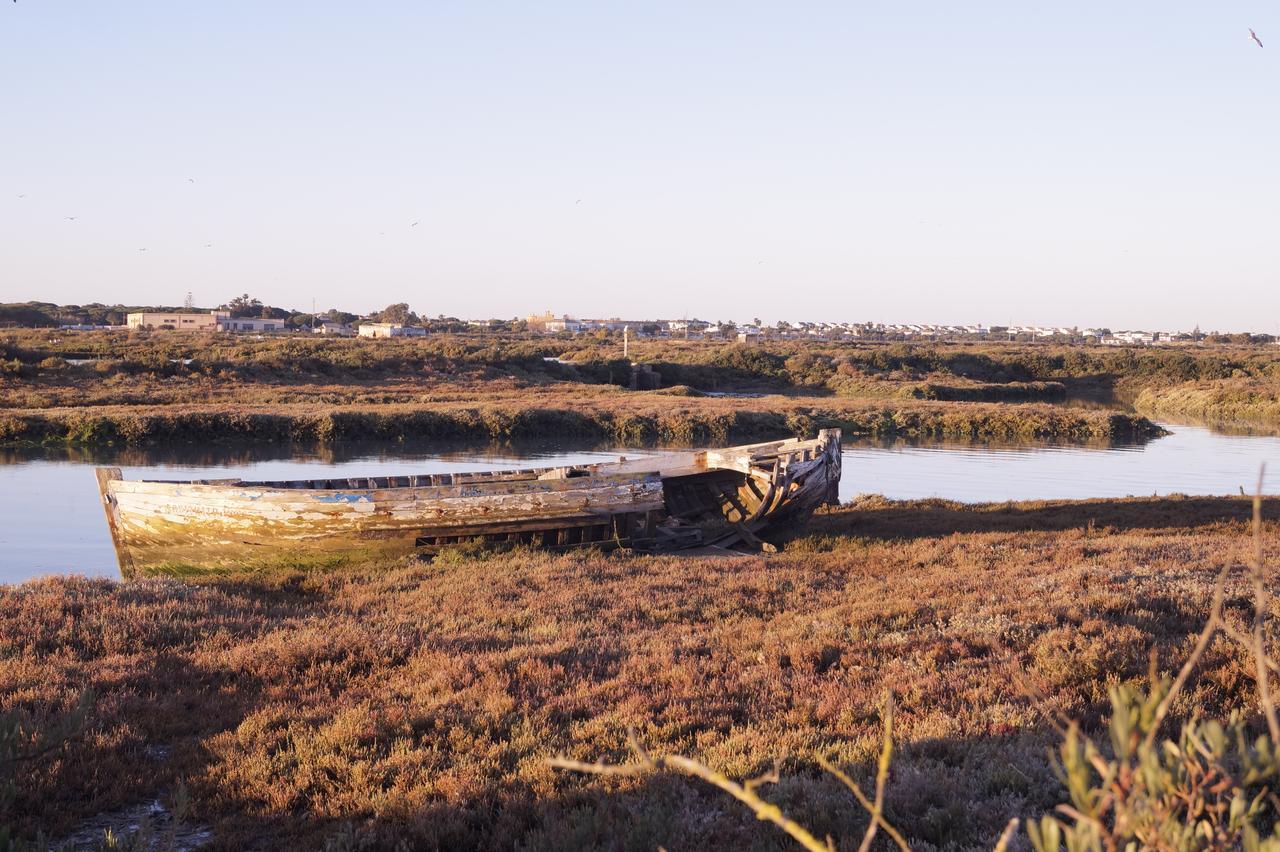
(51, 522)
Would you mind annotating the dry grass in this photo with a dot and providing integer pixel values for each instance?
(424, 700)
(177, 387)
(1240, 401)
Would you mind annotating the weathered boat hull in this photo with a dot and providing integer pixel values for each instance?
(699, 497)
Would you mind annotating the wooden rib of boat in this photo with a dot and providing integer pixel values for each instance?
(698, 497)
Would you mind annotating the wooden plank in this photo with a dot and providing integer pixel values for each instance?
(358, 500)
(550, 526)
(733, 494)
(752, 539)
(357, 509)
(258, 492)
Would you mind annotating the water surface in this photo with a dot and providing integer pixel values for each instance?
(51, 521)
(1191, 460)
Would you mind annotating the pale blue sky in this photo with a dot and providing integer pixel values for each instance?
(1069, 163)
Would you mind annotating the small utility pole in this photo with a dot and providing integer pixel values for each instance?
(626, 341)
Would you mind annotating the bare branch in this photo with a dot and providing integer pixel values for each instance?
(634, 742)
(770, 777)
(763, 810)
(1261, 604)
(882, 773)
(1202, 643)
(1005, 836)
(744, 793)
(866, 803)
(599, 767)
(1246, 641)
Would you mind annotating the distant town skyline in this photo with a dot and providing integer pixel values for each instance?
(65, 315)
(992, 162)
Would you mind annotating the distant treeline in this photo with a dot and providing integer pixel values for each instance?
(50, 315)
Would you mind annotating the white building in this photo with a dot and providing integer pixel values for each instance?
(251, 324)
(391, 329)
(556, 326)
(1130, 338)
(691, 328)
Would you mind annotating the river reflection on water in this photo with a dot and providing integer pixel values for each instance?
(1191, 460)
(51, 521)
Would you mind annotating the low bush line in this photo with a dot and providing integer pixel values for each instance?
(107, 427)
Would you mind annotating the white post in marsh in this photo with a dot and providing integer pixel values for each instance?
(625, 341)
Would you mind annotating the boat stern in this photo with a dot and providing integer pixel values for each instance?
(829, 446)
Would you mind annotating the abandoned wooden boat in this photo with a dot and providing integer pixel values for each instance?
(698, 497)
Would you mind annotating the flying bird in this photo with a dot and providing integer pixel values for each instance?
(71, 218)
(1252, 34)
(191, 180)
(413, 225)
(141, 249)
(20, 196)
(208, 245)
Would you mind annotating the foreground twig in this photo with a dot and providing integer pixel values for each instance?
(882, 776)
(877, 818)
(1261, 605)
(746, 791)
(762, 809)
(1005, 836)
(1202, 644)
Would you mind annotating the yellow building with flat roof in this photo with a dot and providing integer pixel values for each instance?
(178, 321)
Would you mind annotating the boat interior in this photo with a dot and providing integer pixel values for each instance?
(426, 480)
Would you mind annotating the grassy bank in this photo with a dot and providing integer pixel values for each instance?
(604, 415)
(1239, 401)
(131, 388)
(59, 368)
(421, 701)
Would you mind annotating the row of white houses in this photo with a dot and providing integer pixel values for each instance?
(224, 321)
(693, 328)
